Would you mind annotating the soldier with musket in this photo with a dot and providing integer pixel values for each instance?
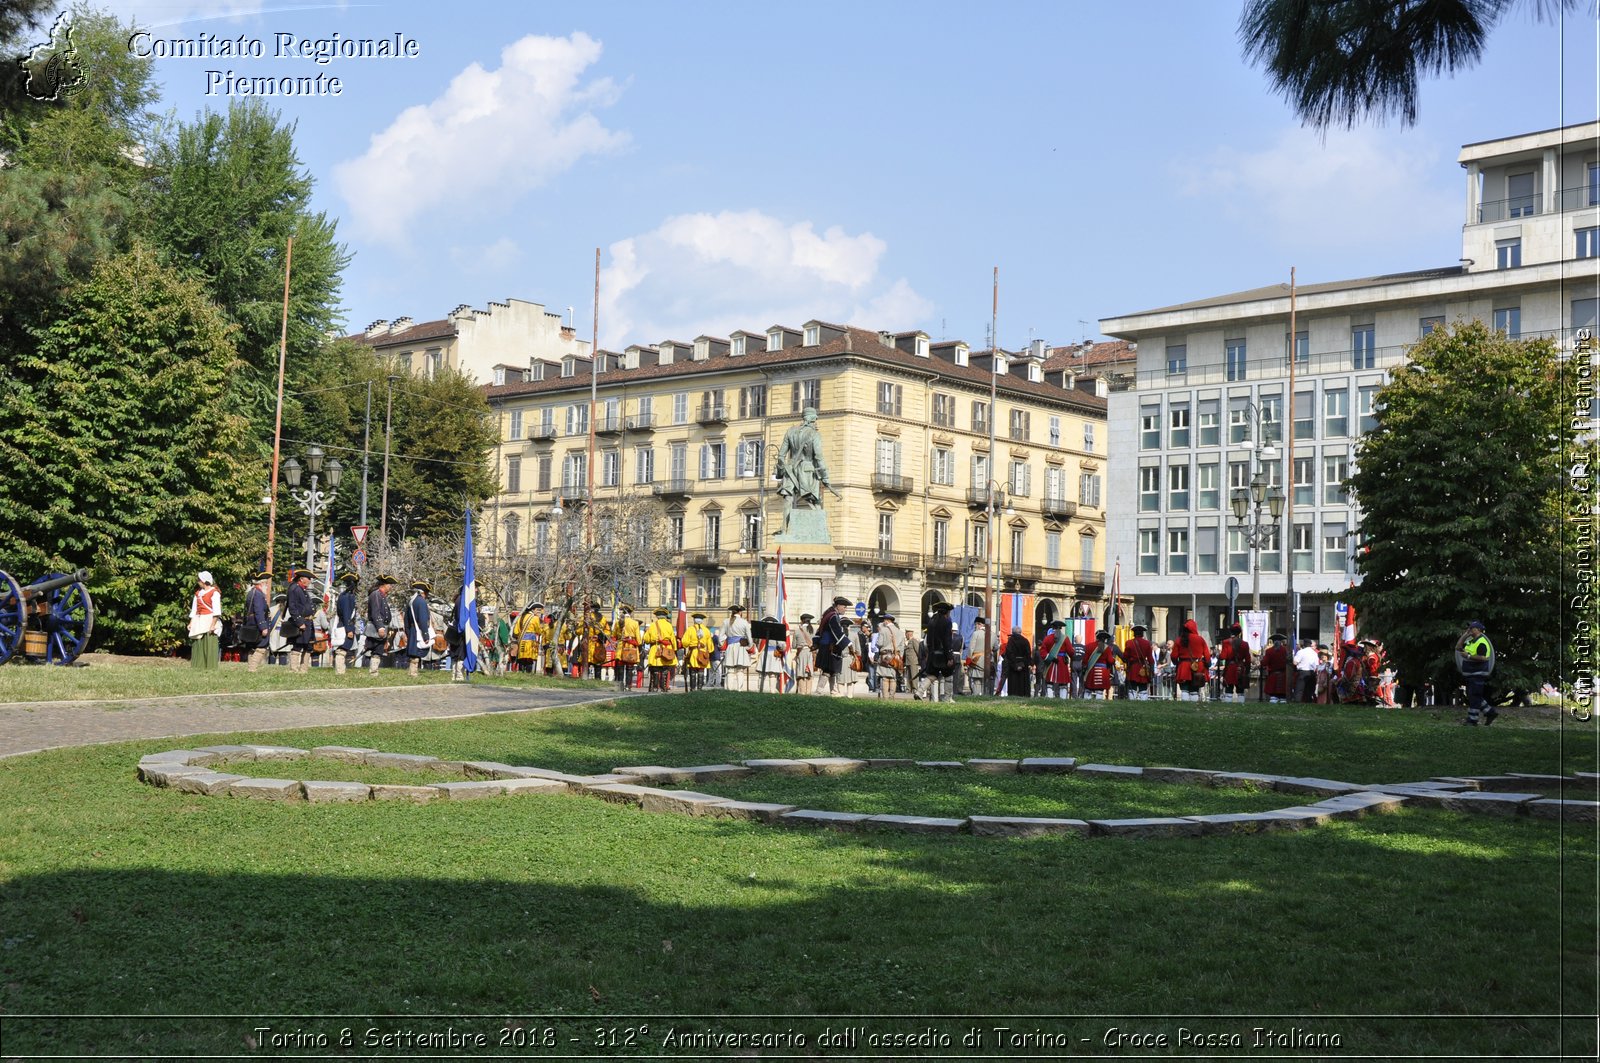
(298, 625)
(943, 652)
(419, 626)
(379, 621)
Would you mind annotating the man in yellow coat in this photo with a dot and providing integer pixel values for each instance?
(626, 630)
(528, 634)
(697, 646)
(595, 633)
(662, 638)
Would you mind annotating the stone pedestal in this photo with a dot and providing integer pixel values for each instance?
(806, 526)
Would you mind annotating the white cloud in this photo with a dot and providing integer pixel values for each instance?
(496, 257)
(1358, 188)
(159, 14)
(504, 131)
(714, 273)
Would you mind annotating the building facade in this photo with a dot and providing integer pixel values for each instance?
(502, 341)
(1211, 403)
(906, 426)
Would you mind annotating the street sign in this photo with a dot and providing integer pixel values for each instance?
(359, 557)
(358, 532)
(861, 609)
(1231, 589)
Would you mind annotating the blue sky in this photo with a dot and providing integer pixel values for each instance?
(745, 164)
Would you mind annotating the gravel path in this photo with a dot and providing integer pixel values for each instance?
(27, 727)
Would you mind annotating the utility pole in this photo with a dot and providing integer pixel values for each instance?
(388, 424)
(994, 514)
(366, 451)
(1288, 502)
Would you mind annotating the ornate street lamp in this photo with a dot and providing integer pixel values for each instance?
(1248, 504)
(313, 501)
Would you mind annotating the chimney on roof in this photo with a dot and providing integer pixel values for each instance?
(399, 324)
(1038, 350)
(377, 326)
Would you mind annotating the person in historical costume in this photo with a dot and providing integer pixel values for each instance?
(1234, 658)
(801, 639)
(890, 661)
(595, 633)
(944, 653)
(1325, 675)
(1099, 671)
(380, 621)
(858, 666)
(1350, 686)
(736, 659)
(628, 653)
(419, 626)
(255, 630)
(800, 470)
(1016, 664)
(1191, 657)
(1055, 658)
(528, 634)
(299, 623)
(698, 644)
(913, 673)
(830, 644)
(662, 638)
(977, 656)
(205, 624)
(344, 633)
(1274, 668)
(1140, 657)
(771, 662)
(500, 644)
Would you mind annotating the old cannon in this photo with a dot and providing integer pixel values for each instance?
(50, 619)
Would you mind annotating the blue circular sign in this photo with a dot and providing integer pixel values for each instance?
(861, 608)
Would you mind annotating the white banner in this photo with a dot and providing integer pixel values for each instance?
(1254, 623)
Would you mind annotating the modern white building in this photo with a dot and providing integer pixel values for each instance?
(1210, 404)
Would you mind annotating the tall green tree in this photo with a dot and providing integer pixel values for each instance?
(1338, 62)
(1460, 487)
(443, 434)
(121, 452)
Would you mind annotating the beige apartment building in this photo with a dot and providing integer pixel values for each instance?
(505, 340)
(906, 423)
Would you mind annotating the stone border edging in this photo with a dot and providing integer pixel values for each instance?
(189, 771)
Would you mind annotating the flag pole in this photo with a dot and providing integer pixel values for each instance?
(277, 424)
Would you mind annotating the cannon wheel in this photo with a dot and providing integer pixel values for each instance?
(70, 624)
(12, 619)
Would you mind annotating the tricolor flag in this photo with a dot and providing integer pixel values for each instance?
(467, 603)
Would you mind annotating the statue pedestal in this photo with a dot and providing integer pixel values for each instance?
(808, 526)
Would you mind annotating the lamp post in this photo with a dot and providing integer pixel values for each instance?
(313, 501)
(1248, 504)
(997, 500)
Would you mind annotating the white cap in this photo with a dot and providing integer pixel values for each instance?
(205, 577)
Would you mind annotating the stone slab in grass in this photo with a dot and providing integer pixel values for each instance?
(1498, 783)
(654, 774)
(1572, 811)
(348, 754)
(488, 769)
(166, 774)
(469, 791)
(1459, 782)
(450, 767)
(1184, 776)
(1299, 817)
(1149, 827)
(228, 753)
(781, 766)
(1245, 779)
(835, 765)
(810, 817)
(916, 824)
(1239, 822)
(1442, 786)
(714, 772)
(1494, 804)
(1047, 765)
(1354, 806)
(1024, 826)
(993, 765)
(1317, 787)
(942, 765)
(402, 760)
(192, 758)
(1591, 779)
(515, 771)
(600, 780)
(1420, 796)
(680, 802)
(1538, 779)
(618, 793)
(209, 783)
(531, 786)
(890, 762)
(266, 789)
(755, 811)
(419, 795)
(278, 752)
(1111, 771)
(320, 792)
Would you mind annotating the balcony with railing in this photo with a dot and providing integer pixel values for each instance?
(1275, 367)
(1058, 507)
(892, 483)
(1018, 570)
(705, 558)
(543, 433)
(945, 563)
(572, 496)
(978, 497)
(881, 558)
(676, 487)
(1530, 206)
(608, 426)
(711, 413)
(641, 422)
(1089, 577)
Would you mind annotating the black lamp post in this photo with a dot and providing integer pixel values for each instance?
(313, 501)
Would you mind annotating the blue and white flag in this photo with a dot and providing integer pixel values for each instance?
(467, 604)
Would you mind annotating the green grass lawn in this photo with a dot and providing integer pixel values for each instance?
(104, 677)
(557, 913)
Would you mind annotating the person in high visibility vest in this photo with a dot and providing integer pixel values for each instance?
(1475, 662)
(662, 638)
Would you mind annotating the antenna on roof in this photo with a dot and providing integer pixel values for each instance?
(944, 333)
(1085, 325)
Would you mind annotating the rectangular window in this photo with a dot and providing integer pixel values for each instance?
(1363, 351)
(1021, 479)
(675, 531)
(547, 419)
(713, 531)
(1302, 348)
(1055, 431)
(680, 408)
(514, 475)
(944, 410)
(1367, 408)
(610, 468)
(642, 409)
(1150, 489)
(1055, 483)
(753, 401)
(885, 532)
(1178, 426)
(1020, 424)
(713, 460)
(1335, 555)
(1149, 551)
(941, 538)
(1018, 549)
(943, 467)
(1177, 359)
(888, 457)
(1588, 243)
(803, 393)
(1594, 183)
(889, 396)
(1150, 428)
(1177, 550)
(749, 458)
(1335, 413)
(1088, 436)
(1428, 324)
(709, 588)
(678, 461)
(1208, 485)
(544, 472)
(1052, 549)
(1086, 560)
(541, 537)
(1305, 481)
(1233, 352)
(1210, 426)
(1238, 420)
(1507, 254)
(1271, 552)
(1302, 556)
(1238, 476)
(578, 419)
(1509, 320)
(1271, 419)
(1178, 487)
(750, 532)
(1089, 489)
(980, 471)
(1205, 551)
(980, 417)
(575, 470)
(644, 465)
(1520, 201)
(980, 539)
(1335, 468)
(1305, 422)
(516, 424)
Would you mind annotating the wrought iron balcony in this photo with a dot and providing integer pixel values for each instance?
(543, 433)
(892, 483)
(1089, 577)
(944, 563)
(678, 487)
(881, 558)
(1053, 506)
(573, 497)
(705, 558)
(978, 497)
(710, 413)
(642, 422)
(608, 426)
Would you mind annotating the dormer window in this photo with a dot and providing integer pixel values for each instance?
(962, 351)
(775, 339)
(1035, 372)
(1102, 387)
(737, 350)
(536, 371)
(569, 366)
(922, 346)
(499, 376)
(664, 354)
(813, 335)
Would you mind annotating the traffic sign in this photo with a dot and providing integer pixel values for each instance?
(359, 557)
(358, 532)
(1231, 588)
(861, 609)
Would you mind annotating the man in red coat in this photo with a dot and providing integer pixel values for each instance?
(1190, 654)
(1234, 653)
(1140, 657)
(1274, 666)
(1055, 654)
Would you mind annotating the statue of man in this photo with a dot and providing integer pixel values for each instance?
(800, 470)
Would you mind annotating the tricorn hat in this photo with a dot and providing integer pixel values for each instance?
(806, 617)
(385, 578)
(698, 616)
(259, 576)
(422, 585)
(661, 612)
(349, 577)
(943, 607)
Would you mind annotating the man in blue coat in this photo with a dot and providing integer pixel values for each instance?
(378, 621)
(256, 629)
(298, 624)
(344, 608)
(419, 626)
